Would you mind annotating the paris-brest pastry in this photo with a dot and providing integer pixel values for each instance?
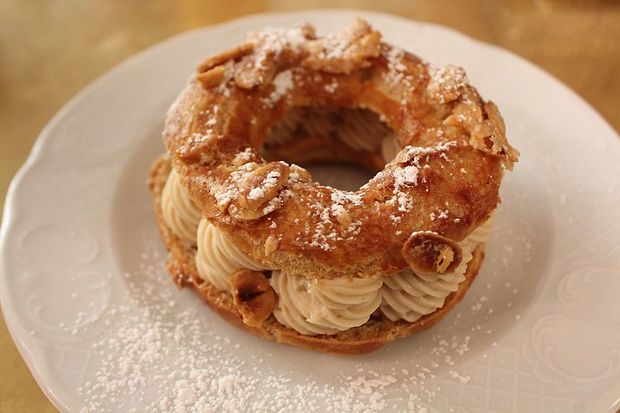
(291, 260)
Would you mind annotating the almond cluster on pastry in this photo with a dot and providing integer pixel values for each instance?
(291, 260)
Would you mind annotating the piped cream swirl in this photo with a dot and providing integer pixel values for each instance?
(179, 212)
(389, 148)
(409, 296)
(360, 129)
(324, 306)
(217, 257)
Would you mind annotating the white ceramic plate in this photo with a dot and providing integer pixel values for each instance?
(89, 304)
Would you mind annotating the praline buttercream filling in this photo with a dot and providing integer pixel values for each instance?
(317, 306)
(217, 258)
(409, 296)
(179, 212)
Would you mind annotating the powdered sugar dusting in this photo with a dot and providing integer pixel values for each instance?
(413, 153)
(157, 353)
(335, 44)
(282, 83)
(408, 164)
(270, 42)
(397, 74)
(226, 190)
(270, 181)
(405, 176)
(276, 39)
(243, 156)
(340, 198)
(334, 223)
(331, 87)
(447, 83)
(223, 194)
(196, 140)
(199, 141)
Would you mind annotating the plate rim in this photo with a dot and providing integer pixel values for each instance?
(38, 151)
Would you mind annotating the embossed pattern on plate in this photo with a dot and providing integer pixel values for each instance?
(547, 338)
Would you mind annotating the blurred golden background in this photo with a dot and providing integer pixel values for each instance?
(50, 49)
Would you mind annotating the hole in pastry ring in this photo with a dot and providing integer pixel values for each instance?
(445, 179)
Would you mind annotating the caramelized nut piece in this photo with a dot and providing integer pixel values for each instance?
(465, 114)
(253, 296)
(344, 219)
(236, 212)
(490, 136)
(447, 84)
(252, 74)
(258, 191)
(223, 57)
(212, 77)
(487, 135)
(263, 184)
(299, 174)
(356, 46)
(197, 150)
(269, 57)
(307, 30)
(271, 244)
(495, 117)
(429, 253)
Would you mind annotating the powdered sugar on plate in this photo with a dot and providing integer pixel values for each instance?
(166, 358)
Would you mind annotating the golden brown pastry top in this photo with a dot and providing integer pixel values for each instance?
(445, 179)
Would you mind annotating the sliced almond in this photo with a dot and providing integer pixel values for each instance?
(490, 137)
(243, 214)
(271, 245)
(213, 77)
(197, 150)
(355, 46)
(223, 57)
(465, 114)
(251, 74)
(299, 174)
(263, 184)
